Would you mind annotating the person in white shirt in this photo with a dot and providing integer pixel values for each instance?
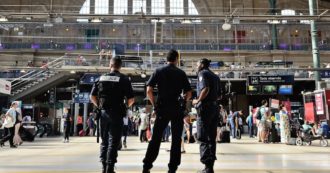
(144, 119)
(9, 126)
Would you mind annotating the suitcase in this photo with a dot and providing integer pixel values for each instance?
(273, 135)
(81, 133)
(225, 137)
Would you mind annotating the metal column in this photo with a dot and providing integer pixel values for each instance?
(92, 7)
(186, 7)
(315, 47)
(85, 115)
(111, 7)
(272, 4)
(148, 7)
(130, 7)
(167, 6)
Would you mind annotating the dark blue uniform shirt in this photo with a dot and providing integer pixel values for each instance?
(170, 81)
(207, 78)
(113, 87)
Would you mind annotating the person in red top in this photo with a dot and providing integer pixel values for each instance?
(79, 124)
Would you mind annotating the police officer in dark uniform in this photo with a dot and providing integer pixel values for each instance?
(108, 95)
(171, 82)
(208, 92)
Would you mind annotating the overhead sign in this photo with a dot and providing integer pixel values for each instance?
(270, 85)
(5, 87)
(82, 97)
(271, 80)
(325, 74)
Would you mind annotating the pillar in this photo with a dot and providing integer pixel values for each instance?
(148, 7)
(130, 7)
(167, 7)
(85, 115)
(315, 48)
(92, 7)
(111, 6)
(272, 4)
(186, 7)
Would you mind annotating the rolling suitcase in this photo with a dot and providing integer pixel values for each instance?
(225, 137)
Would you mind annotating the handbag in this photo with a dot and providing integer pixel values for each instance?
(8, 122)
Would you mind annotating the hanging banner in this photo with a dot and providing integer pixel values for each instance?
(319, 104)
(309, 112)
(5, 87)
(274, 103)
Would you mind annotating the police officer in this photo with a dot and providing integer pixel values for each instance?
(208, 92)
(108, 94)
(171, 82)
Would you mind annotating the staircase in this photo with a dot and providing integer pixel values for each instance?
(37, 81)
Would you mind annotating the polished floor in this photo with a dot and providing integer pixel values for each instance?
(50, 155)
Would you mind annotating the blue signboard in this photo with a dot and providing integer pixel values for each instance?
(89, 78)
(81, 97)
(325, 74)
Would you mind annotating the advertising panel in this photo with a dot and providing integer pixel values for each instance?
(309, 112)
(5, 87)
(319, 104)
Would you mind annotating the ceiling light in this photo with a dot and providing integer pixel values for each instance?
(3, 19)
(73, 72)
(96, 20)
(23, 71)
(143, 75)
(226, 26)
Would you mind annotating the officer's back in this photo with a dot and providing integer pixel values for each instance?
(170, 82)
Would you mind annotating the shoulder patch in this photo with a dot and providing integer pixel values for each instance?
(109, 79)
(200, 78)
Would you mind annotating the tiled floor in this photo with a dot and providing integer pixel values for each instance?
(50, 155)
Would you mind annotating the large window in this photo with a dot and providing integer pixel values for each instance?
(84, 10)
(192, 8)
(176, 7)
(138, 5)
(120, 7)
(101, 6)
(158, 7)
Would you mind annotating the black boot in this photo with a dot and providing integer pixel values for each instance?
(110, 169)
(104, 167)
(145, 170)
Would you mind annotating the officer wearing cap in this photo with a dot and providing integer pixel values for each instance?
(208, 92)
(170, 82)
(108, 94)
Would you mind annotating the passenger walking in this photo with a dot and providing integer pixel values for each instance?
(108, 95)
(249, 122)
(67, 125)
(284, 125)
(263, 125)
(125, 129)
(234, 123)
(171, 82)
(208, 92)
(91, 124)
(9, 126)
(144, 122)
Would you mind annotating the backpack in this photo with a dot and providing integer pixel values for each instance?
(259, 114)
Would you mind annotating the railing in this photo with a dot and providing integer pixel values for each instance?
(145, 65)
(37, 75)
(162, 47)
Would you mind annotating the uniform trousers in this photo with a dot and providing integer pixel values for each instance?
(163, 117)
(111, 133)
(207, 121)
